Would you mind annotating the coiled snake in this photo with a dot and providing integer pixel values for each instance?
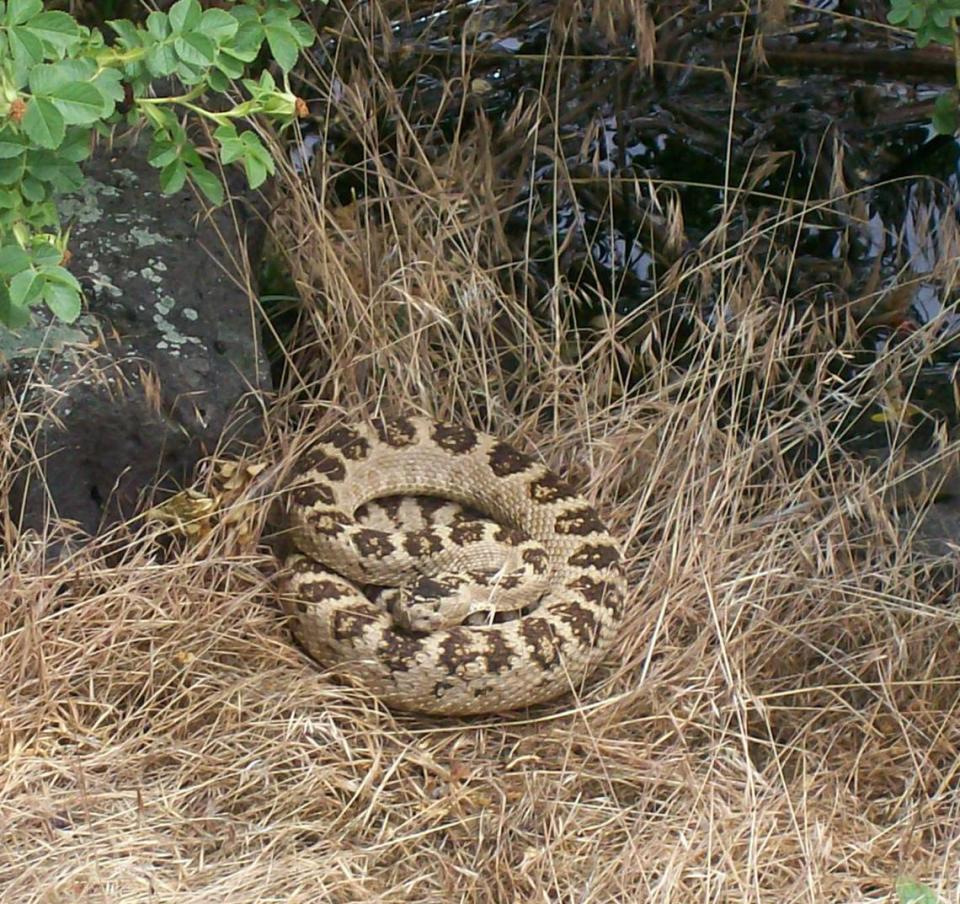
(486, 618)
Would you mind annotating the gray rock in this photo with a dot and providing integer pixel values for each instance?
(166, 355)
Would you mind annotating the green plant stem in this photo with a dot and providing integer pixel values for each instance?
(182, 99)
(110, 58)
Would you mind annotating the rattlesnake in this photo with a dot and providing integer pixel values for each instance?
(477, 662)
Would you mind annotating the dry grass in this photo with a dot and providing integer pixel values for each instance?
(778, 722)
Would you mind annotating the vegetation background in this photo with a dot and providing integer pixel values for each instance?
(778, 722)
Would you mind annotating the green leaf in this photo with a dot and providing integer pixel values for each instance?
(80, 103)
(217, 80)
(185, 15)
(69, 177)
(278, 14)
(161, 60)
(929, 32)
(48, 78)
(256, 172)
(244, 14)
(65, 302)
(61, 292)
(25, 288)
(19, 11)
(208, 183)
(253, 145)
(12, 144)
(43, 123)
(76, 146)
(127, 32)
(257, 162)
(53, 168)
(158, 25)
(58, 30)
(25, 47)
(195, 49)
(230, 146)
(13, 259)
(945, 114)
(941, 17)
(247, 41)
(42, 216)
(172, 177)
(910, 892)
(161, 118)
(46, 255)
(304, 33)
(218, 25)
(231, 65)
(57, 274)
(283, 45)
(66, 84)
(189, 155)
(266, 83)
(10, 315)
(12, 169)
(162, 152)
(188, 74)
(32, 189)
(109, 82)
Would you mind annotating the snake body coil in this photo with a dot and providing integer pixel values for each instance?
(427, 659)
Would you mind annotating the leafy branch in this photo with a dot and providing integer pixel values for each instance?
(60, 82)
(934, 21)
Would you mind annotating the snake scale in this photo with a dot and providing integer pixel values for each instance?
(447, 656)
